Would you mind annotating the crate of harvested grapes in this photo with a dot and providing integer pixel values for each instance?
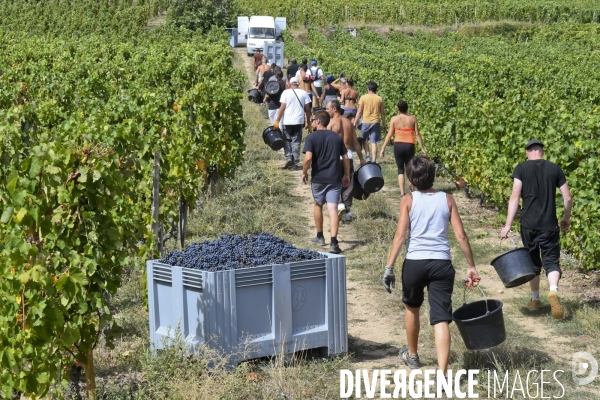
(250, 296)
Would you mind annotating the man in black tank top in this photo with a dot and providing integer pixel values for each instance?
(536, 181)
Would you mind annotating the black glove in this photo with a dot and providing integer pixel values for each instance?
(389, 279)
(342, 75)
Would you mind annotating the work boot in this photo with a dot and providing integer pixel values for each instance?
(318, 241)
(411, 361)
(334, 249)
(288, 163)
(555, 307)
(533, 305)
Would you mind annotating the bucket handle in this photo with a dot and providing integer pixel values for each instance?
(487, 310)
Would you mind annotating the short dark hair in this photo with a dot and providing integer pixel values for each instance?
(323, 117)
(402, 106)
(350, 81)
(279, 74)
(304, 61)
(420, 171)
(273, 65)
(372, 86)
(336, 104)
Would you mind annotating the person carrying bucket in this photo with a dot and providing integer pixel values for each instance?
(427, 262)
(536, 181)
(347, 132)
(260, 70)
(295, 106)
(323, 150)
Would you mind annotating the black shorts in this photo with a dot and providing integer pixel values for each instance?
(319, 90)
(438, 277)
(403, 153)
(544, 249)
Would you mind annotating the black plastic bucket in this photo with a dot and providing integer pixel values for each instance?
(273, 138)
(370, 177)
(514, 267)
(272, 87)
(481, 327)
(358, 192)
(254, 96)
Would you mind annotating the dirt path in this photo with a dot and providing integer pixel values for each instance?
(374, 336)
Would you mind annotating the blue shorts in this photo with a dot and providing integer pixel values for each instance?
(372, 132)
(349, 111)
(326, 192)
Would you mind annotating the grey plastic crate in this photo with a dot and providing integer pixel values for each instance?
(266, 310)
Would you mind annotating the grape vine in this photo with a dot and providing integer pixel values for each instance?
(81, 115)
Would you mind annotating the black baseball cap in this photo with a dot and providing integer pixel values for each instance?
(532, 142)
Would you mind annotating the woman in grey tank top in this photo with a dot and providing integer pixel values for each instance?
(427, 263)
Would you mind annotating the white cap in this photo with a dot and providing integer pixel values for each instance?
(294, 81)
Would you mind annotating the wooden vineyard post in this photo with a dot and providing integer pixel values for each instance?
(212, 175)
(182, 223)
(90, 375)
(156, 228)
(26, 138)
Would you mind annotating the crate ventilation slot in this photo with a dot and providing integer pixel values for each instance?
(308, 270)
(192, 279)
(253, 276)
(162, 273)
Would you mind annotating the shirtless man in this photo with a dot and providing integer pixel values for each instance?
(264, 67)
(258, 56)
(343, 127)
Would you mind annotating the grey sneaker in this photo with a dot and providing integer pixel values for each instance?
(318, 240)
(334, 249)
(411, 361)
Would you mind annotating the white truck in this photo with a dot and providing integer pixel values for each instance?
(257, 30)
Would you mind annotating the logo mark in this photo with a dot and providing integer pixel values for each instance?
(584, 363)
(298, 298)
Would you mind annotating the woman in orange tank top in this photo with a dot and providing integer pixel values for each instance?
(404, 128)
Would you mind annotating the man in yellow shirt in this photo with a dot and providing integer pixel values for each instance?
(370, 106)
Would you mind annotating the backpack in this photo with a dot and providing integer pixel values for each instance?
(308, 77)
(315, 73)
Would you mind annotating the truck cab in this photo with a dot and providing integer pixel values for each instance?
(258, 30)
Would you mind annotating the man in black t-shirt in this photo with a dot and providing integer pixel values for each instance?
(292, 69)
(323, 150)
(265, 77)
(536, 181)
(272, 100)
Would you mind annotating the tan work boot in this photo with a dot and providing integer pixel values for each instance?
(533, 305)
(555, 306)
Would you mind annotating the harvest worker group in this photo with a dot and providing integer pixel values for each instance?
(428, 212)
